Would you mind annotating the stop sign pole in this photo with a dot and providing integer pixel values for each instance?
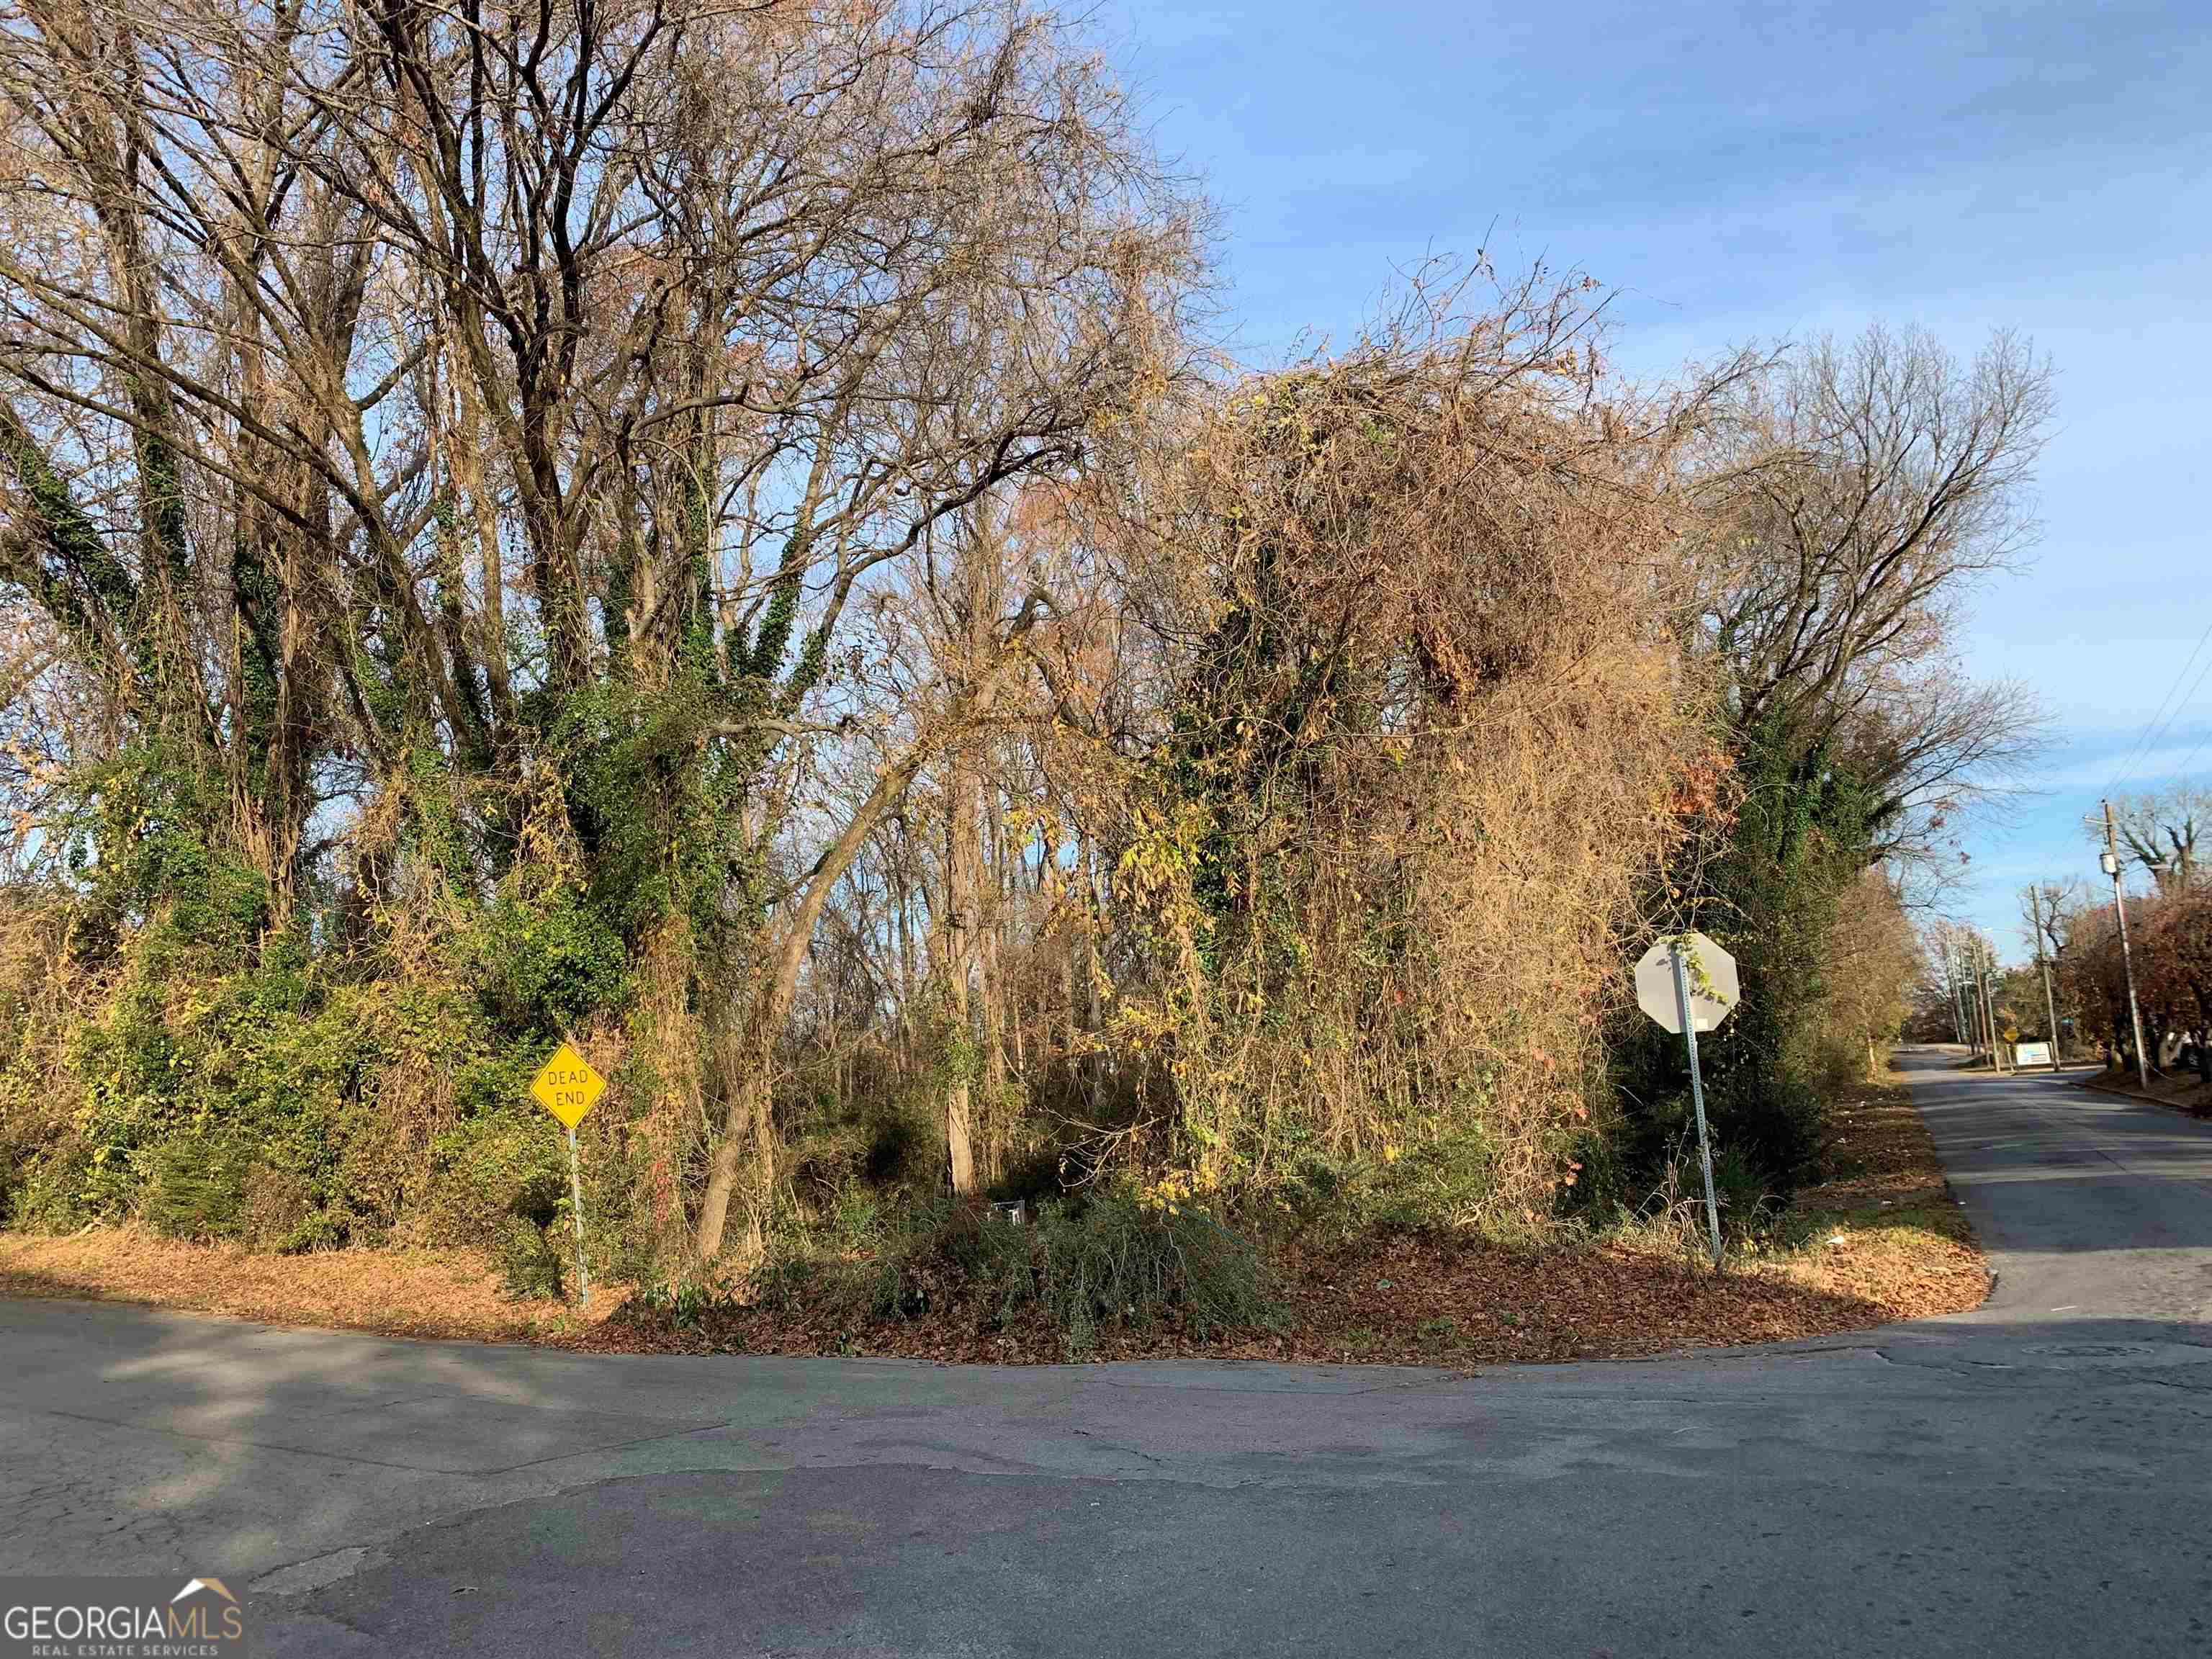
(1664, 990)
(1696, 1090)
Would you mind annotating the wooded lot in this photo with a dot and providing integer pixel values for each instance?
(724, 534)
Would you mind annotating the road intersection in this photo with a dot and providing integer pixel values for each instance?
(2033, 1477)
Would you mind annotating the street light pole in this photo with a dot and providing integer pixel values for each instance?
(2111, 861)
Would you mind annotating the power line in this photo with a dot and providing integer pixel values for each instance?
(2182, 770)
(2180, 708)
(2142, 743)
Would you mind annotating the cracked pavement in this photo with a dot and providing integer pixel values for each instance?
(2030, 1478)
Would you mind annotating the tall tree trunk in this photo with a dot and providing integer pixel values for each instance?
(908, 975)
(1086, 975)
(961, 861)
(747, 1117)
(990, 963)
(748, 1122)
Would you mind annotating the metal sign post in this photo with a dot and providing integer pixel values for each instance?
(1664, 990)
(1697, 1091)
(576, 1210)
(568, 1087)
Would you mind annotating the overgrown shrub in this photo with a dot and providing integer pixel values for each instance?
(887, 1144)
(1428, 735)
(1788, 887)
(1258, 824)
(1447, 1180)
(279, 1212)
(544, 961)
(195, 1186)
(144, 829)
(1109, 1261)
(1103, 1261)
(529, 1260)
(281, 1096)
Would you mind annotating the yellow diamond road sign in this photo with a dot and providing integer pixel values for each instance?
(568, 1087)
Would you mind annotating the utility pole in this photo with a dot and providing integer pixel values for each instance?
(1990, 1013)
(2112, 865)
(2042, 925)
(1970, 1023)
(1974, 1001)
(2050, 1005)
(1969, 965)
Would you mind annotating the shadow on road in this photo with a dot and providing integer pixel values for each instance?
(437, 1497)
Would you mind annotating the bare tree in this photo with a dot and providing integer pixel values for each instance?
(2160, 831)
(1858, 493)
(2045, 910)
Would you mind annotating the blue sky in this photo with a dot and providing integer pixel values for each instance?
(1749, 172)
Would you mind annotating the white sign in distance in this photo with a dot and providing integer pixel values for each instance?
(1714, 988)
(2032, 1053)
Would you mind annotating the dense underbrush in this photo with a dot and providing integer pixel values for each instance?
(1076, 1266)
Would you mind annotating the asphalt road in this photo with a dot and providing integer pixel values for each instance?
(2032, 1479)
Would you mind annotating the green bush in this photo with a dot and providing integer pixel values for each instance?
(529, 1260)
(1445, 1181)
(889, 1142)
(544, 963)
(488, 1170)
(196, 1187)
(1675, 1207)
(48, 1188)
(685, 1304)
(1113, 1262)
(223, 1067)
(144, 833)
(279, 1213)
(1799, 844)
(1097, 1263)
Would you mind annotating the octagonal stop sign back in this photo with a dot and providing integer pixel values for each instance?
(1714, 989)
